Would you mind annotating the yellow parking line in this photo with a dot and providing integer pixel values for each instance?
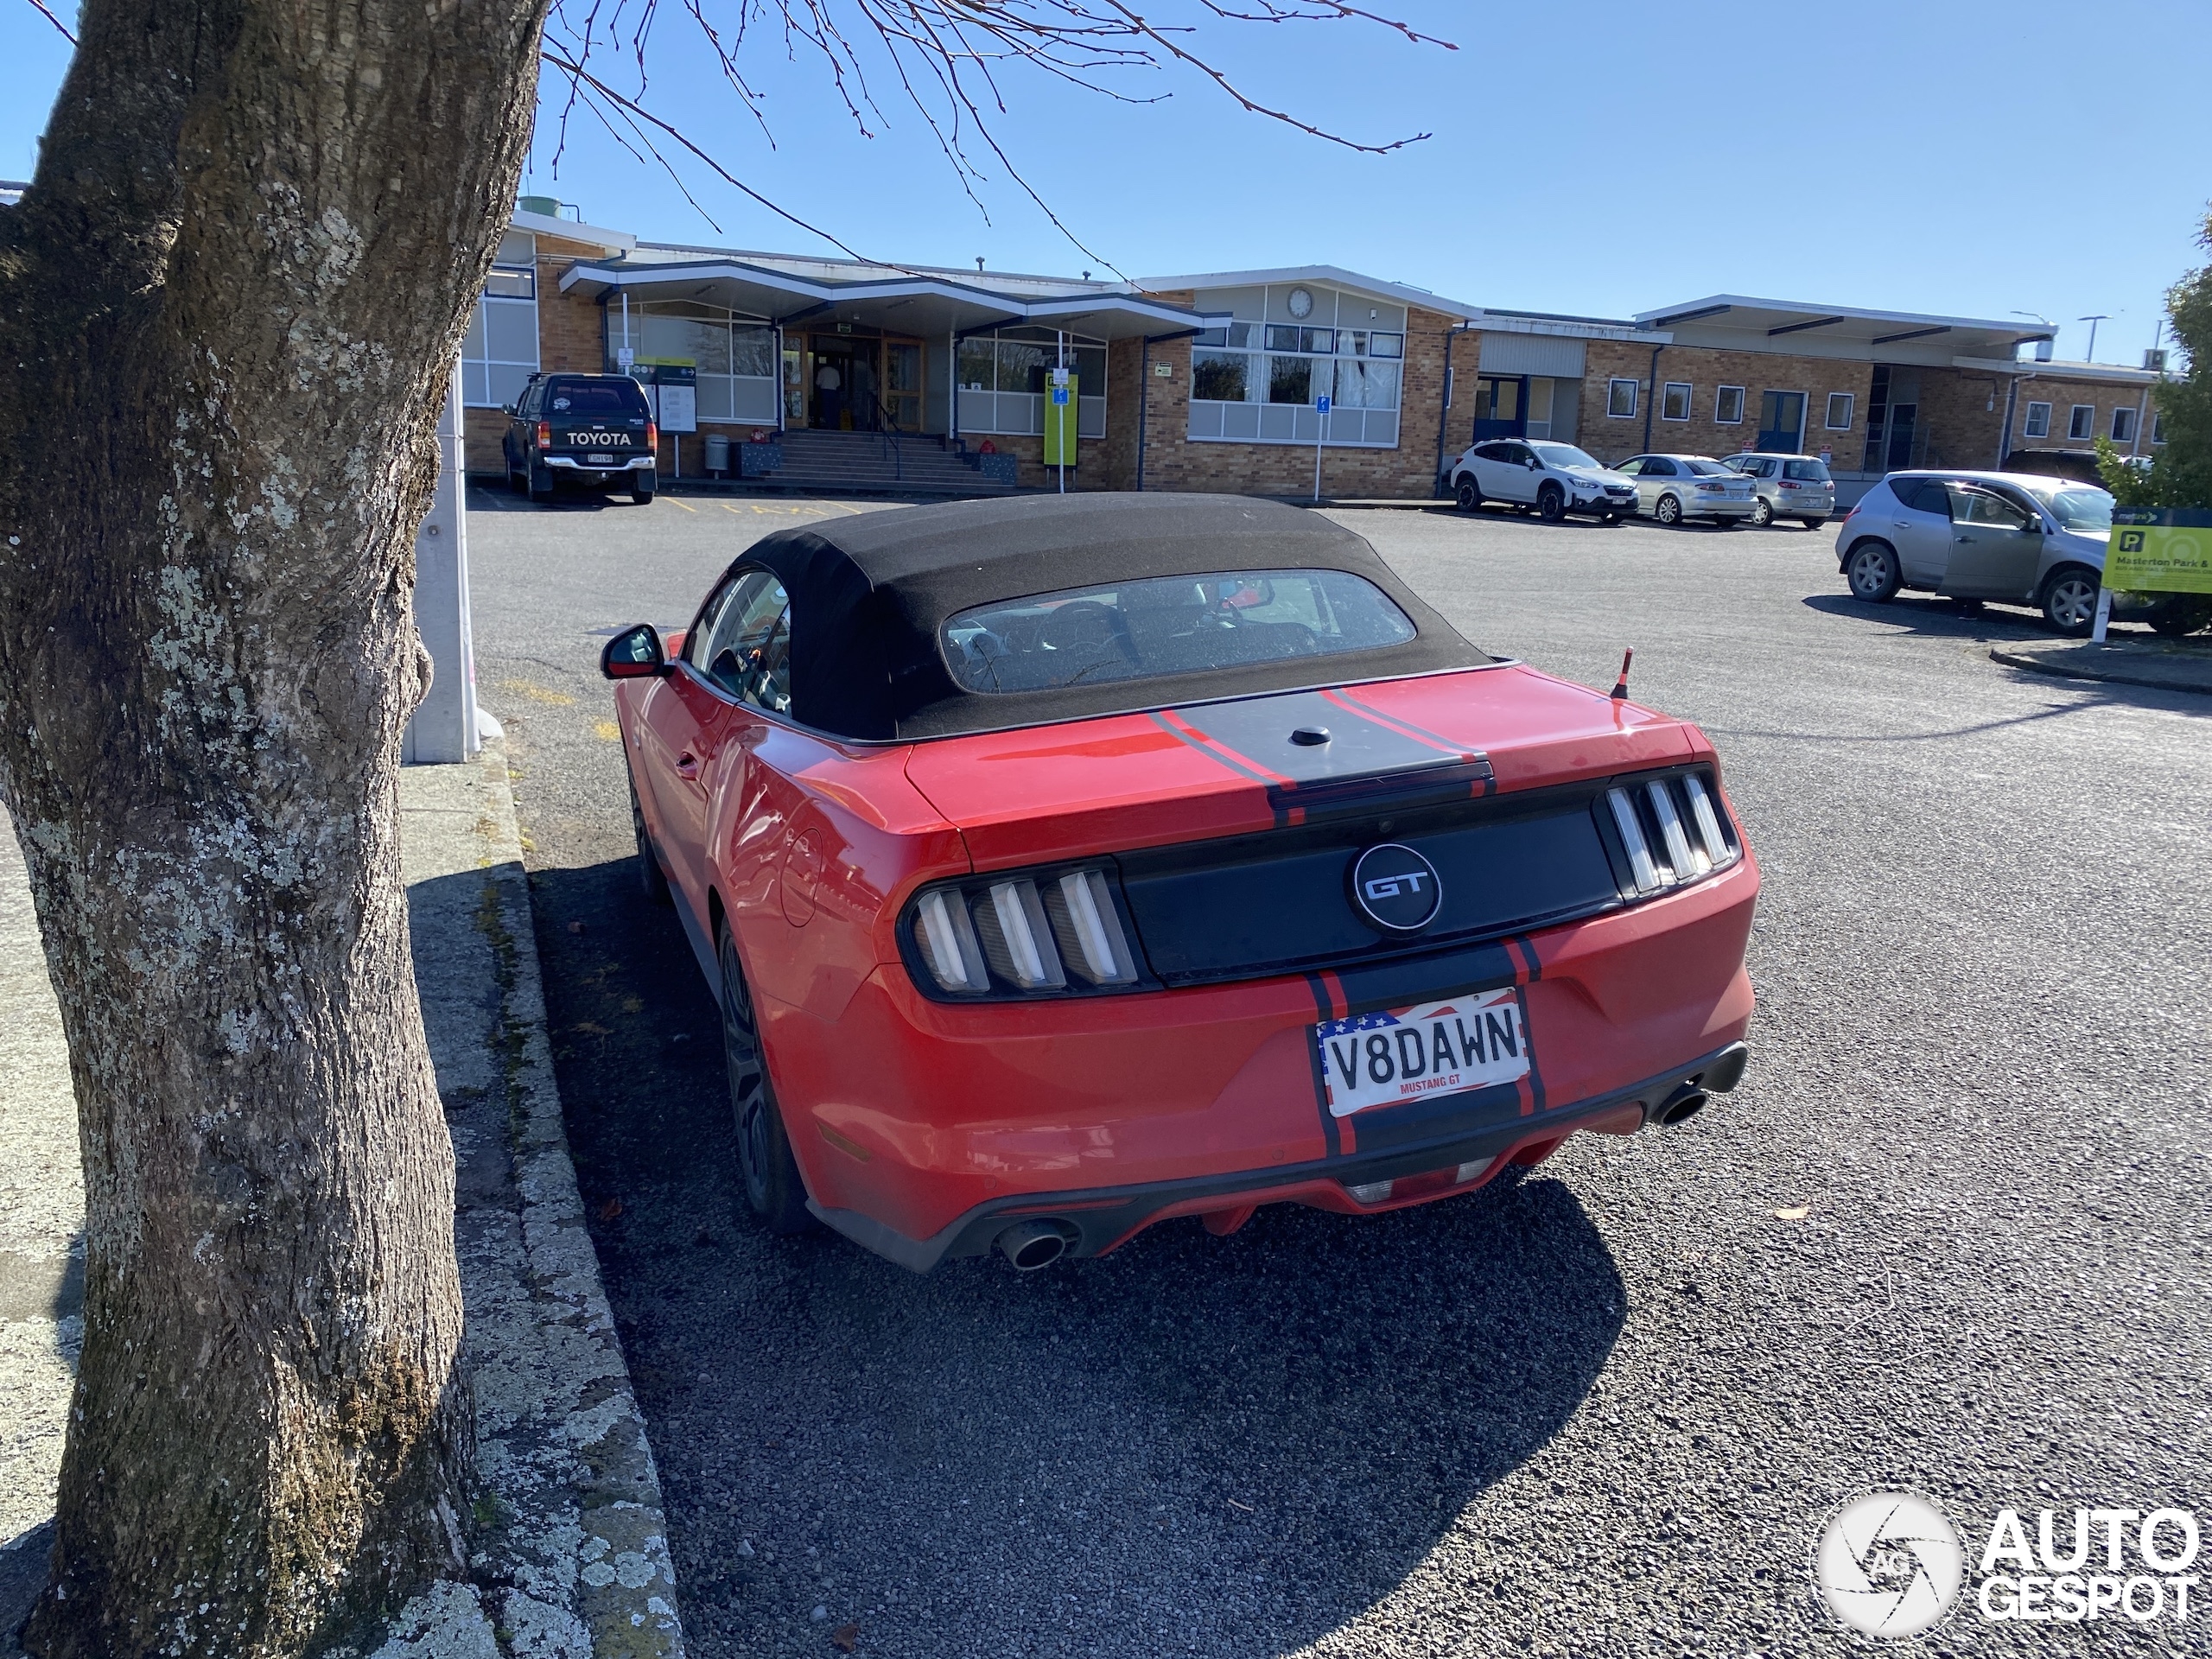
(728, 508)
(686, 506)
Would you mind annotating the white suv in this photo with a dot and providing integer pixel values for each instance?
(1555, 478)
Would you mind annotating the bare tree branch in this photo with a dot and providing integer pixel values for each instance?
(42, 11)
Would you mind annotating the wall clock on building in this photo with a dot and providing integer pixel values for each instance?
(1302, 302)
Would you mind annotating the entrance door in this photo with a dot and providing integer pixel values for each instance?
(1904, 418)
(1781, 422)
(902, 384)
(843, 387)
(1501, 407)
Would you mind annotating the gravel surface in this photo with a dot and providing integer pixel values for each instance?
(1604, 1413)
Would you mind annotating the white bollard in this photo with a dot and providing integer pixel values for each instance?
(444, 728)
(2104, 616)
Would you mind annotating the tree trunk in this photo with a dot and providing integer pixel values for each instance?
(228, 306)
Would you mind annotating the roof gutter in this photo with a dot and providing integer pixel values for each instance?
(1651, 396)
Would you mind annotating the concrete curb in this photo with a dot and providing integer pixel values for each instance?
(572, 1557)
(2184, 669)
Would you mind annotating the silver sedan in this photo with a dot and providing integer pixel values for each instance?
(1674, 487)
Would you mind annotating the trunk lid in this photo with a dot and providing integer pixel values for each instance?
(1207, 770)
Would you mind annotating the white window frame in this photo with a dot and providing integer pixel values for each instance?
(1718, 419)
(481, 374)
(2122, 412)
(1850, 408)
(1634, 387)
(763, 389)
(2029, 429)
(992, 413)
(2158, 425)
(1666, 391)
(2081, 422)
(1344, 314)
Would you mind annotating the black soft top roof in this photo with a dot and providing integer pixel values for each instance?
(870, 594)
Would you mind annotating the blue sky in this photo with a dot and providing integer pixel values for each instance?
(1587, 156)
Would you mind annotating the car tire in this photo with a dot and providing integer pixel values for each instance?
(2179, 615)
(1467, 493)
(1551, 503)
(1610, 520)
(652, 880)
(541, 482)
(2069, 599)
(1669, 510)
(1812, 523)
(1726, 523)
(774, 1187)
(641, 493)
(1762, 513)
(1872, 571)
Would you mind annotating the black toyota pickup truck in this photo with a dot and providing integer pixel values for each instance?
(595, 431)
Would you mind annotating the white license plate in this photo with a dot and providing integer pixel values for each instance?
(599, 460)
(1436, 1048)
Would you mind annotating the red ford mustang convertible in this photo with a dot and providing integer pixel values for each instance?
(1066, 864)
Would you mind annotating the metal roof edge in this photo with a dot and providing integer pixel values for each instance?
(572, 230)
(1713, 302)
(1335, 276)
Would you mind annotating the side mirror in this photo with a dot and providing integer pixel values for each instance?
(507, 409)
(633, 654)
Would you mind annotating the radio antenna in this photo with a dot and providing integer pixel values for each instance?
(1620, 686)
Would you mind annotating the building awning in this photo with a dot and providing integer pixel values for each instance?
(924, 303)
(1746, 323)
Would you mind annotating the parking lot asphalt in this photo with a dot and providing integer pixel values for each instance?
(1950, 1234)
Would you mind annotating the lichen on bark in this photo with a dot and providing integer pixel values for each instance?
(229, 301)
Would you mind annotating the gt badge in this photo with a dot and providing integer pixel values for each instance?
(1396, 888)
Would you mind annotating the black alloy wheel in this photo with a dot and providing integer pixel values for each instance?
(1668, 512)
(2069, 600)
(772, 1184)
(1762, 512)
(1467, 494)
(652, 880)
(1872, 572)
(1551, 503)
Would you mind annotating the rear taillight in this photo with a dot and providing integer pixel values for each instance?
(1042, 935)
(545, 435)
(652, 435)
(1672, 831)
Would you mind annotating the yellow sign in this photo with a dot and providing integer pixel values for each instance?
(2158, 555)
(1060, 414)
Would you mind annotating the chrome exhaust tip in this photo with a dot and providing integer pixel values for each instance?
(1036, 1242)
(1682, 1106)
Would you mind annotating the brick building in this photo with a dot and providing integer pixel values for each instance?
(1213, 381)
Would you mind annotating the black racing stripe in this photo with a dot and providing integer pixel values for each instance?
(1324, 1005)
(1405, 983)
(1441, 741)
(1210, 752)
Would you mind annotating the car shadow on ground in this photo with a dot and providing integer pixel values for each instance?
(1232, 1445)
(487, 495)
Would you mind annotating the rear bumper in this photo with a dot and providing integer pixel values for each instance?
(569, 463)
(916, 1123)
(1459, 1160)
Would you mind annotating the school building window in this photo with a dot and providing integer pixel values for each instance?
(735, 357)
(1259, 378)
(1006, 381)
(2123, 425)
(2158, 427)
(1674, 401)
(1620, 400)
(2082, 421)
(1839, 417)
(2039, 425)
(501, 352)
(1728, 406)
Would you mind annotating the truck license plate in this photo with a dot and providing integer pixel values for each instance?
(1449, 1047)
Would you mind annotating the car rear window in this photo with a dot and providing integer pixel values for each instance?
(1168, 625)
(1708, 469)
(1810, 472)
(597, 397)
